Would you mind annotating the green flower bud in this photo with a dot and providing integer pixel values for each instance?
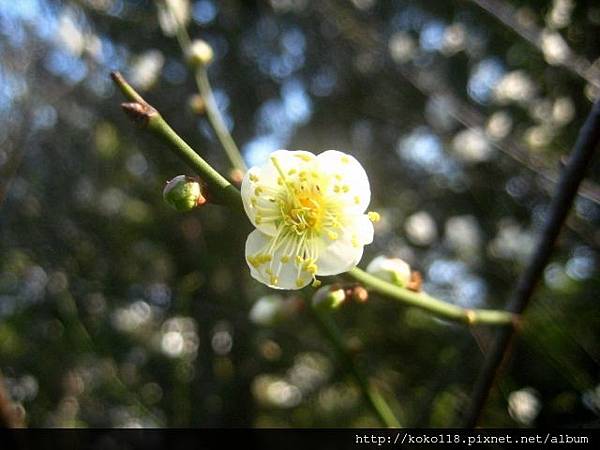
(200, 53)
(183, 193)
(393, 270)
(328, 298)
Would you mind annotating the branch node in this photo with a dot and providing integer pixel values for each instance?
(139, 113)
(470, 316)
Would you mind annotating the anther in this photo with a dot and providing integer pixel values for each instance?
(374, 216)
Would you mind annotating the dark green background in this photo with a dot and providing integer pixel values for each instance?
(94, 266)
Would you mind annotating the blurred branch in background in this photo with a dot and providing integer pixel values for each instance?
(431, 85)
(10, 415)
(10, 168)
(81, 340)
(203, 84)
(378, 404)
(548, 42)
(581, 156)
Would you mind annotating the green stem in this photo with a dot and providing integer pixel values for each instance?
(216, 120)
(212, 111)
(433, 305)
(374, 398)
(228, 194)
(221, 190)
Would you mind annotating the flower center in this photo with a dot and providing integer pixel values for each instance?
(301, 203)
(303, 210)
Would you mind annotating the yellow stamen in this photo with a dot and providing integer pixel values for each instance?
(316, 283)
(312, 268)
(374, 216)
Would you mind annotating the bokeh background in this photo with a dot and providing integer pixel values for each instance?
(117, 311)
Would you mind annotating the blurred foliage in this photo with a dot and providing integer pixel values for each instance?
(117, 311)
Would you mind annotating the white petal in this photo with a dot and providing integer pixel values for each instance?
(248, 196)
(287, 273)
(345, 253)
(247, 192)
(338, 256)
(349, 176)
(363, 228)
(287, 160)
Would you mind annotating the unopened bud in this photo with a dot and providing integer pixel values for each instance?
(196, 104)
(236, 176)
(183, 193)
(328, 297)
(359, 294)
(393, 270)
(200, 53)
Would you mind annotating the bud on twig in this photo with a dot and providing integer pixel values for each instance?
(392, 270)
(236, 176)
(200, 53)
(196, 104)
(183, 193)
(357, 293)
(416, 281)
(328, 298)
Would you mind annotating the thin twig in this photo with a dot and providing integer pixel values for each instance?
(432, 305)
(216, 120)
(582, 154)
(148, 116)
(531, 33)
(366, 37)
(221, 190)
(212, 110)
(374, 398)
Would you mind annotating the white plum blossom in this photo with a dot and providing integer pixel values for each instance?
(309, 214)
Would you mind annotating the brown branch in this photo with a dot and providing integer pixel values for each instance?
(531, 33)
(365, 37)
(10, 415)
(583, 151)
